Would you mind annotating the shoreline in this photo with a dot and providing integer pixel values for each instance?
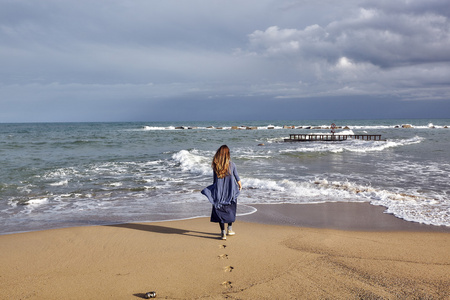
(352, 216)
(185, 259)
(359, 216)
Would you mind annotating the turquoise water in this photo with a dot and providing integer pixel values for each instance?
(71, 174)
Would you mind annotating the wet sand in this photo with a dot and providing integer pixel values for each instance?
(343, 216)
(368, 257)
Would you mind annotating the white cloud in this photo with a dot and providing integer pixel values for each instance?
(344, 63)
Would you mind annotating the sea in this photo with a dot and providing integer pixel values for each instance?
(56, 175)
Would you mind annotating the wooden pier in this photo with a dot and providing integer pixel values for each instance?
(332, 137)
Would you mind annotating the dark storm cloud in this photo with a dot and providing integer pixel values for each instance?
(373, 50)
(100, 58)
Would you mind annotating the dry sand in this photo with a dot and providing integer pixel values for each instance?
(186, 260)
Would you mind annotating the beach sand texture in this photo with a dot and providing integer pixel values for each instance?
(187, 260)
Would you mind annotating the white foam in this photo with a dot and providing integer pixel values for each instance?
(353, 146)
(193, 163)
(60, 183)
(297, 127)
(26, 189)
(276, 140)
(415, 208)
(254, 183)
(296, 192)
(37, 202)
(346, 132)
(270, 126)
(32, 204)
(155, 162)
(410, 206)
(158, 128)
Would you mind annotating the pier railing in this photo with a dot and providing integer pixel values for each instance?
(331, 137)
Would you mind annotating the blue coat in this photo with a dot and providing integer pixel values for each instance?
(225, 190)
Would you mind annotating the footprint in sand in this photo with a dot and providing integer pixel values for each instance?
(228, 269)
(223, 256)
(227, 284)
(222, 246)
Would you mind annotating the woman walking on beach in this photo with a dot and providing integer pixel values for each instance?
(224, 191)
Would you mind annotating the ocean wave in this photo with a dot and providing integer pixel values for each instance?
(60, 183)
(135, 170)
(353, 146)
(27, 204)
(275, 140)
(294, 127)
(37, 202)
(411, 206)
(192, 162)
(158, 128)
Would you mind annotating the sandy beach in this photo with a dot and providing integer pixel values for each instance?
(282, 252)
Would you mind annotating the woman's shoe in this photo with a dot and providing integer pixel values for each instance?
(231, 232)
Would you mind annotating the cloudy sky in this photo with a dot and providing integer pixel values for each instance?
(166, 60)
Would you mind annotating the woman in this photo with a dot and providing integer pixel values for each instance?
(224, 191)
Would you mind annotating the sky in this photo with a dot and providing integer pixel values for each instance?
(166, 60)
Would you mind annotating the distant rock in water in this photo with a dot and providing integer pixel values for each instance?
(407, 126)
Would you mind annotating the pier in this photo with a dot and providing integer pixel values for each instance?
(332, 137)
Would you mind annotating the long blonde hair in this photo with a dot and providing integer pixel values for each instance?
(221, 162)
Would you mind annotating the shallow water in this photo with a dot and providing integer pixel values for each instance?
(71, 174)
